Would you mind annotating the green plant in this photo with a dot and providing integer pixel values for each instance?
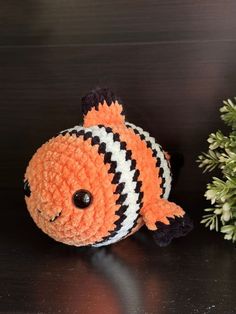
(221, 216)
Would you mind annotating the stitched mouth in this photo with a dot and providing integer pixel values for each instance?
(55, 217)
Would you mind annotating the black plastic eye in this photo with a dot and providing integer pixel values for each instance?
(82, 199)
(27, 188)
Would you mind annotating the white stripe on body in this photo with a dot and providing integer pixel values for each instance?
(163, 162)
(123, 166)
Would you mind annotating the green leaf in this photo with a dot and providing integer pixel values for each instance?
(222, 190)
(227, 229)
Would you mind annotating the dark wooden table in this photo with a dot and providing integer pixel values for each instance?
(195, 274)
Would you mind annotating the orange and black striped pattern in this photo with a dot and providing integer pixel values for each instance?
(98, 183)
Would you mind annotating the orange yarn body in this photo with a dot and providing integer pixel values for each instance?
(154, 208)
(67, 163)
(61, 177)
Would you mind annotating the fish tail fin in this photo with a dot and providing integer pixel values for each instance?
(101, 106)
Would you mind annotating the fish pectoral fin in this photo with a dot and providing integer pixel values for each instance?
(167, 221)
(160, 211)
(177, 227)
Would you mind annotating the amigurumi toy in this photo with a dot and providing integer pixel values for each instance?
(98, 183)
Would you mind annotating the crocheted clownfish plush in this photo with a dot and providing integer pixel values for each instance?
(98, 183)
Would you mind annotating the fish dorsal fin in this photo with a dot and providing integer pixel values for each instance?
(101, 106)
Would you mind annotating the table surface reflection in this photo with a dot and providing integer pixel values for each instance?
(195, 274)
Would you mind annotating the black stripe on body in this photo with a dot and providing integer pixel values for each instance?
(154, 155)
(121, 212)
(121, 199)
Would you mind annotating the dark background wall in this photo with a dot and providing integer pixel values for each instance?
(173, 62)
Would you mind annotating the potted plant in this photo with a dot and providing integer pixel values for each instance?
(221, 192)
